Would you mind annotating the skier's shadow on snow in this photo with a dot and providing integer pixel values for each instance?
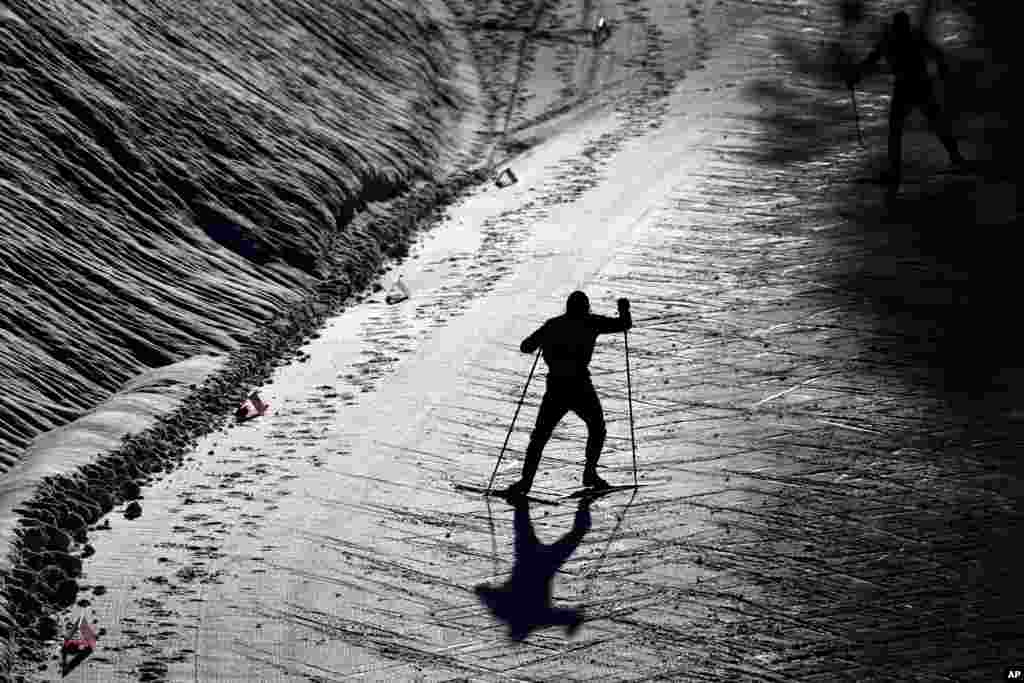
(523, 602)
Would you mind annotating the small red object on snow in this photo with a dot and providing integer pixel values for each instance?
(77, 649)
(87, 639)
(88, 635)
(251, 407)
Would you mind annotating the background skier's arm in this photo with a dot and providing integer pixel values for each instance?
(858, 70)
(533, 342)
(872, 59)
(939, 57)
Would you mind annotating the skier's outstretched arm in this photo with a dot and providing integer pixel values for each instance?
(872, 59)
(533, 342)
(607, 325)
(857, 71)
(939, 56)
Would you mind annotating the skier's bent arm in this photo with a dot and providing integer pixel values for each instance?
(868, 63)
(532, 343)
(872, 59)
(939, 57)
(606, 325)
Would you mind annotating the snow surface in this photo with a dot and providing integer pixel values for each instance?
(325, 541)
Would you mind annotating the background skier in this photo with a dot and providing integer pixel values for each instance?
(907, 50)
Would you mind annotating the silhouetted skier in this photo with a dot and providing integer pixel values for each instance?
(567, 343)
(524, 601)
(906, 50)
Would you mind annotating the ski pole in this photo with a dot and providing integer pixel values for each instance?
(629, 394)
(511, 426)
(856, 115)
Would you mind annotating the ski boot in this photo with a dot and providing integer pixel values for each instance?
(517, 490)
(592, 481)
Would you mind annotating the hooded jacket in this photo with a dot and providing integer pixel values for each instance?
(567, 342)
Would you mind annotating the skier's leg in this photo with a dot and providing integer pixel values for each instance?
(588, 407)
(899, 108)
(941, 126)
(552, 409)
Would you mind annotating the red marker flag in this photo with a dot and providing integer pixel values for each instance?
(86, 639)
(251, 407)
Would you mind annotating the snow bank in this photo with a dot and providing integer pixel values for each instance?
(64, 451)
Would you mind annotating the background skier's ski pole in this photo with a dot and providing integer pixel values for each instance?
(629, 394)
(521, 398)
(849, 72)
(856, 116)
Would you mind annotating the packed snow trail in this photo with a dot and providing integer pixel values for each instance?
(335, 510)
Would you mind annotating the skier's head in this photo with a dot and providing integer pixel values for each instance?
(577, 305)
(901, 23)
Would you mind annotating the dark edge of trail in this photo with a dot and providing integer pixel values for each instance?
(50, 540)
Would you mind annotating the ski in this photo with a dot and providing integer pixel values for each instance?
(503, 494)
(594, 493)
